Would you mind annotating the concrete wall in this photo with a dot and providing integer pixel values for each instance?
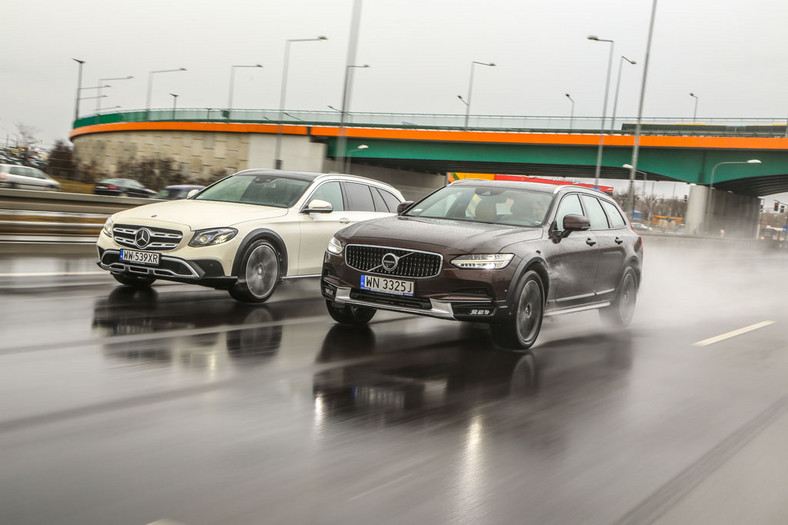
(199, 154)
(413, 184)
(297, 153)
(203, 155)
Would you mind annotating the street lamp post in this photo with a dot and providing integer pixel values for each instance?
(618, 85)
(470, 90)
(349, 153)
(79, 86)
(695, 112)
(101, 82)
(232, 79)
(598, 167)
(150, 85)
(342, 139)
(629, 167)
(282, 92)
(711, 186)
(174, 103)
(571, 111)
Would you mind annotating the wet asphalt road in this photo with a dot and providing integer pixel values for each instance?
(179, 405)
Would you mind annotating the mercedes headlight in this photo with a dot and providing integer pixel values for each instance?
(107, 229)
(334, 246)
(483, 261)
(212, 236)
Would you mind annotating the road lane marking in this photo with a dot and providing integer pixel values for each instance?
(734, 333)
(375, 489)
(51, 274)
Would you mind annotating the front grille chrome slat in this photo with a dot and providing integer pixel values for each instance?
(160, 238)
(414, 264)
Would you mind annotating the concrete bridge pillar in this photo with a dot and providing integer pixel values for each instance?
(719, 213)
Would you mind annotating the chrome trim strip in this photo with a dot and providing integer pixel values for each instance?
(560, 311)
(119, 267)
(290, 277)
(440, 309)
(575, 297)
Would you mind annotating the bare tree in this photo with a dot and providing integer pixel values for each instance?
(27, 135)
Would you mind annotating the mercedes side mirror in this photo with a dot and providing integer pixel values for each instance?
(402, 207)
(192, 193)
(319, 206)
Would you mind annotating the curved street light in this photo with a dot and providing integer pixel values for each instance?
(571, 111)
(282, 93)
(618, 85)
(470, 90)
(79, 86)
(101, 81)
(150, 84)
(598, 167)
(711, 185)
(695, 112)
(349, 153)
(232, 78)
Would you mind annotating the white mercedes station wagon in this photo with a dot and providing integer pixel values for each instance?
(245, 233)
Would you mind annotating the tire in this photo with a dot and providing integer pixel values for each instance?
(348, 314)
(135, 281)
(521, 331)
(258, 274)
(620, 312)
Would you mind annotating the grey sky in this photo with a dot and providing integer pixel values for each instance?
(731, 53)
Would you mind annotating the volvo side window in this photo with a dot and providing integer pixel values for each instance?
(570, 205)
(616, 220)
(595, 213)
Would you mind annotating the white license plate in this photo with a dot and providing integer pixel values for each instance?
(151, 258)
(374, 283)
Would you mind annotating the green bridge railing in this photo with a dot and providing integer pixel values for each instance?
(749, 127)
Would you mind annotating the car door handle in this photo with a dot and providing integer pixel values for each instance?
(619, 240)
(590, 241)
(344, 220)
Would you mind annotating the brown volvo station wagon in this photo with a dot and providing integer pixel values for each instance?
(504, 253)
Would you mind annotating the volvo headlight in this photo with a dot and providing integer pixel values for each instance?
(107, 229)
(483, 261)
(212, 236)
(334, 246)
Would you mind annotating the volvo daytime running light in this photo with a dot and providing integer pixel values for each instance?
(483, 261)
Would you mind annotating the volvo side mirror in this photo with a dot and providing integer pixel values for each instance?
(402, 207)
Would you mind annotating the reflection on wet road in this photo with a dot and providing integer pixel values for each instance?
(177, 403)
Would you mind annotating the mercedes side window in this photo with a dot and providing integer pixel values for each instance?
(380, 204)
(595, 213)
(570, 205)
(391, 200)
(616, 220)
(330, 192)
(359, 197)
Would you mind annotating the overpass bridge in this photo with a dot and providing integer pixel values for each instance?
(411, 145)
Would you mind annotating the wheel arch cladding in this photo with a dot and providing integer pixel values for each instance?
(262, 235)
(539, 266)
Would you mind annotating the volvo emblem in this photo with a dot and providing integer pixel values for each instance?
(390, 262)
(142, 237)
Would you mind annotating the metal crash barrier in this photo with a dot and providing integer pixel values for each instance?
(30, 216)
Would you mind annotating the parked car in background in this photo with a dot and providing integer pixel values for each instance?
(179, 191)
(14, 176)
(122, 188)
(639, 226)
(502, 253)
(245, 233)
